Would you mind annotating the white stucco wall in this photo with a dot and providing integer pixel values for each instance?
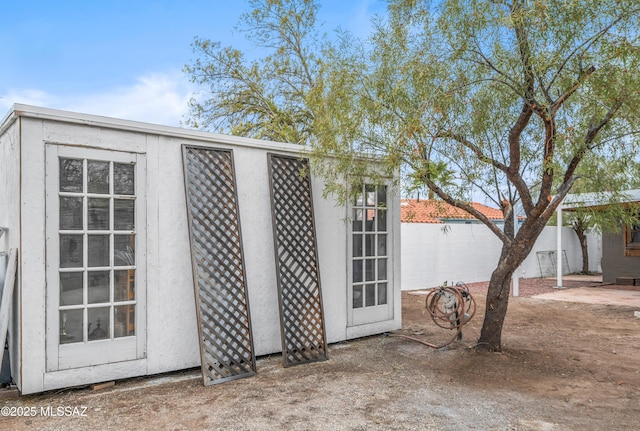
(171, 325)
(470, 252)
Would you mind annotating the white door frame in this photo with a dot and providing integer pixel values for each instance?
(379, 312)
(89, 353)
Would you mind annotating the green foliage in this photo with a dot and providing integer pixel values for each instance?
(511, 97)
(464, 97)
(263, 98)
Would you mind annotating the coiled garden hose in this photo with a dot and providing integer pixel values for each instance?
(450, 307)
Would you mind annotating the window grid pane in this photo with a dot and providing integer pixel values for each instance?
(71, 251)
(97, 177)
(370, 247)
(357, 245)
(71, 324)
(125, 321)
(97, 200)
(71, 288)
(98, 213)
(71, 174)
(357, 297)
(71, 210)
(123, 178)
(370, 295)
(357, 271)
(98, 287)
(382, 293)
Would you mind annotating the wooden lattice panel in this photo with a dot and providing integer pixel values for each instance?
(299, 294)
(224, 324)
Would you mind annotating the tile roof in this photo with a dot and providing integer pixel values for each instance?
(435, 211)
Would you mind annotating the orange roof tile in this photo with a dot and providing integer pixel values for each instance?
(434, 211)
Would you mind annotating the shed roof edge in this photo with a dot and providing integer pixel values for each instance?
(29, 111)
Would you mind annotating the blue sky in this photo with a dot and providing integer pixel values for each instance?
(124, 59)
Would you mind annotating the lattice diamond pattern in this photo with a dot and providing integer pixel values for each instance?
(226, 344)
(300, 298)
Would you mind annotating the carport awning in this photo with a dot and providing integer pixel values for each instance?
(596, 200)
(587, 200)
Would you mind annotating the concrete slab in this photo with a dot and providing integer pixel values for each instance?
(595, 295)
(594, 278)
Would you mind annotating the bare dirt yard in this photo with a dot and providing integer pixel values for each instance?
(564, 366)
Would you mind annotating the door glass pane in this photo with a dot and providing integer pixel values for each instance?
(97, 177)
(370, 266)
(98, 322)
(382, 269)
(71, 175)
(357, 220)
(357, 271)
(98, 249)
(98, 287)
(124, 250)
(371, 219)
(382, 245)
(125, 323)
(382, 220)
(71, 326)
(370, 245)
(357, 245)
(125, 285)
(71, 213)
(370, 295)
(98, 214)
(382, 293)
(70, 251)
(123, 214)
(357, 297)
(382, 197)
(123, 179)
(370, 194)
(370, 250)
(96, 228)
(70, 288)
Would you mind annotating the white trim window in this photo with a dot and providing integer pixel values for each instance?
(631, 237)
(95, 257)
(370, 293)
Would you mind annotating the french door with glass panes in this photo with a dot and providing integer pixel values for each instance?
(95, 256)
(370, 293)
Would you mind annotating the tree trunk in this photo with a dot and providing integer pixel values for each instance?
(585, 251)
(496, 309)
(498, 294)
(579, 226)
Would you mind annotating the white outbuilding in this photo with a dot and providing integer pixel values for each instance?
(143, 249)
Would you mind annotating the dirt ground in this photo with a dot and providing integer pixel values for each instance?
(564, 366)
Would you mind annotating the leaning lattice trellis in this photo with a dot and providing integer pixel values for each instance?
(299, 294)
(224, 324)
(547, 262)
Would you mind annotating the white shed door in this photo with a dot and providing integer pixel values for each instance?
(371, 282)
(95, 250)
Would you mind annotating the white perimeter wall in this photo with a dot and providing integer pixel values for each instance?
(470, 252)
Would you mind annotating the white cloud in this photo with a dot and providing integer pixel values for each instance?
(27, 97)
(159, 98)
